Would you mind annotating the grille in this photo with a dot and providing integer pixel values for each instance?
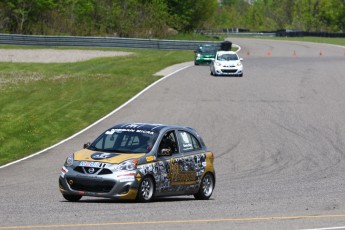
(79, 169)
(105, 171)
(91, 185)
(229, 70)
(82, 170)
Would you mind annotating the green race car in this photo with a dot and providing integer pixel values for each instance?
(205, 54)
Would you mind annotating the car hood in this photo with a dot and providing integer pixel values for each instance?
(207, 54)
(113, 158)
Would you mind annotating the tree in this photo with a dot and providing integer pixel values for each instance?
(188, 15)
(22, 12)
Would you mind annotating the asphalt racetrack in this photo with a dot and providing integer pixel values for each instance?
(278, 134)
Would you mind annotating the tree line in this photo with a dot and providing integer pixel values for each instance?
(162, 18)
(270, 15)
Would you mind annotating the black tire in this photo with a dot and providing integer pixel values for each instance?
(211, 73)
(146, 190)
(206, 187)
(72, 198)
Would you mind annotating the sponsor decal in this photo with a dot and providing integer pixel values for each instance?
(90, 164)
(182, 172)
(63, 172)
(128, 177)
(176, 174)
(150, 158)
(112, 131)
(138, 177)
(102, 156)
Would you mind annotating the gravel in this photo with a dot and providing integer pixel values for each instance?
(53, 55)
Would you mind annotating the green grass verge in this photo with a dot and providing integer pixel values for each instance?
(41, 104)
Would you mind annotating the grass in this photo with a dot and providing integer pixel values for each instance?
(41, 104)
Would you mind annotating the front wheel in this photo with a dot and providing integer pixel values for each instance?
(146, 190)
(206, 187)
(72, 198)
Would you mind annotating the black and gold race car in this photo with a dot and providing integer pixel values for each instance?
(140, 161)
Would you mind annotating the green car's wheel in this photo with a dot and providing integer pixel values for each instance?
(72, 198)
(206, 187)
(146, 190)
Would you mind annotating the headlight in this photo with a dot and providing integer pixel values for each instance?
(128, 165)
(198, 55)
(239, 63)
(69, 161)
(218, 64)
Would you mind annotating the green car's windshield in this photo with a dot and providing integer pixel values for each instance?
(207, 49)
(125, 141)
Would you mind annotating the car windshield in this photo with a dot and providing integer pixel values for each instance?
(207, 49)
(125, 141)
(227, 57)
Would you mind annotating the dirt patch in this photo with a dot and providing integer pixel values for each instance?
(54, 56)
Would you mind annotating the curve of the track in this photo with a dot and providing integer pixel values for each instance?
(278, 134)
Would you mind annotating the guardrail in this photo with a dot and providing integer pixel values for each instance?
(40, 40)
(239, 34)
(278, 33)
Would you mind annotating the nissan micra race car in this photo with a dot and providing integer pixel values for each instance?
(139, 162)
(227, 63)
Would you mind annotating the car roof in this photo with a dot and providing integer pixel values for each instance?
(150, 127)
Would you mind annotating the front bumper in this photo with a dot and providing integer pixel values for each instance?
(202, 60)
(232, 71)
(117, 185)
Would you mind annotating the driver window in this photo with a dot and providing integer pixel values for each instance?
(168, 145)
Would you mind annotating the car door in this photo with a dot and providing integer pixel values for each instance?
(192, 161)
(168, 166)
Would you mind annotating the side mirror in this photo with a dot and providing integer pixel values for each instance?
(165, 152)
(87, 145)
(241, 59)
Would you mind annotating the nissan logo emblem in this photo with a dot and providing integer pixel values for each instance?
(91, 170)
